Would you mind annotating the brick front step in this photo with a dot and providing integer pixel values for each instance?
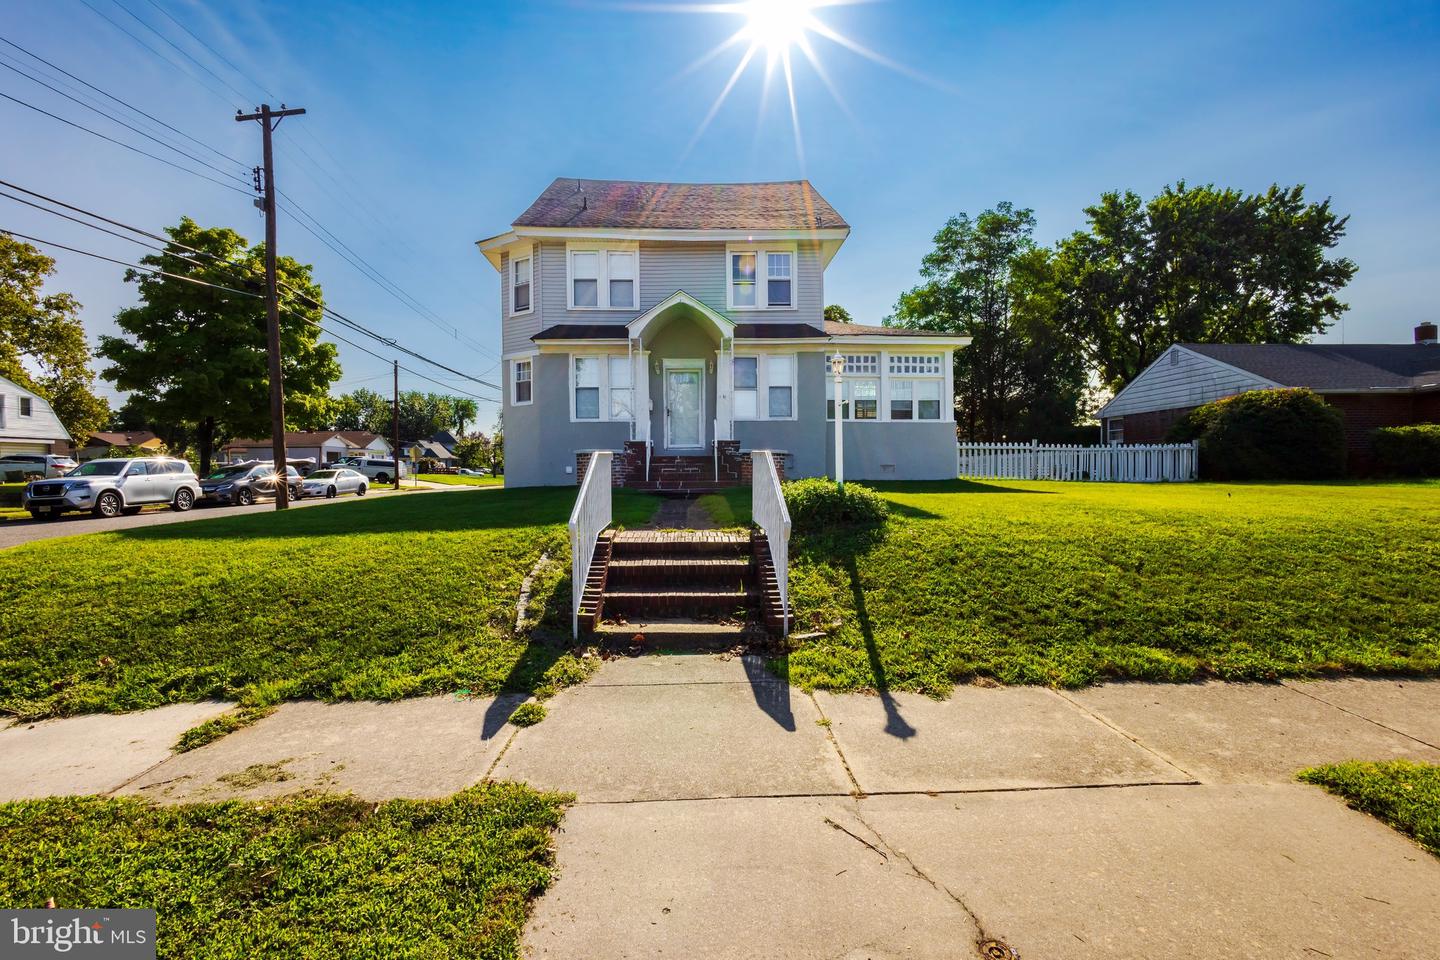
(678, 572)
(678, 634)
(635, 603)
(680, 545)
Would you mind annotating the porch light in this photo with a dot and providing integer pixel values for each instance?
(837, 367)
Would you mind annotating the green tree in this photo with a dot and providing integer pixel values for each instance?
(987, 279)
(473, 451)
(44, 331)
(198, 353)
(464, 410)
(361, 409)
(1198, 265)
(837, 314)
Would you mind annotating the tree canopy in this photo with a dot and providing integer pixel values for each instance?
(837, 314)
(42, 332)
(196, 354)
(422, 415)
(1197, 265)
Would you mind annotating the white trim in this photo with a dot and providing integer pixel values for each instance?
(675, 363)
(830, 239)
(761, 252)
(603, 409)
(943, 377)
(525, 252)
(762, 385)
(514, 369)
(602, 252)
(724, 326)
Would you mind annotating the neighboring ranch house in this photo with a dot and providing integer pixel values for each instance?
(322, 446)
(681, 326)
(99, 444)
(27, 424)
(1374, 384)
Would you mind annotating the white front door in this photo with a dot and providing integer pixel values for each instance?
(684, 403)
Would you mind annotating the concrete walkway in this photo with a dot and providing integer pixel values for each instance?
(722, 813)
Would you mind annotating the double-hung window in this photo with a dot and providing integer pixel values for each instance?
(604, 278)
(860, 396)
(521, 271)
(764, 387)
(917, 382)
(521, 383)
(603, 388)
(25, 406)
(760, 277)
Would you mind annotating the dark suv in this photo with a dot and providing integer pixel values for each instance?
(245, 483)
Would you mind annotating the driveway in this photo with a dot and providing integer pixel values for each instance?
(13, 533)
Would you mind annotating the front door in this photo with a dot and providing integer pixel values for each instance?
(684, 405)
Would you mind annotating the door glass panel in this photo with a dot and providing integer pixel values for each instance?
(683, 402)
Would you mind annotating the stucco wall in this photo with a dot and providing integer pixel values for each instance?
(540, 439)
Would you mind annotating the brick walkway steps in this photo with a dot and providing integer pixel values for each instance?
(678, 474)
(719, 581)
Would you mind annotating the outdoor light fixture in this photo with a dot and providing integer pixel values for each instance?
(837, 367)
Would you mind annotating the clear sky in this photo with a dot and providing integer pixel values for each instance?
(433, 124)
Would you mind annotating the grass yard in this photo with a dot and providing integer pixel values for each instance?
(457, 480)
(1072, 583)
(297, 877)
(1404, 794)
(378, 599)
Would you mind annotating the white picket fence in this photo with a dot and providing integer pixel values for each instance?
(1119, 463)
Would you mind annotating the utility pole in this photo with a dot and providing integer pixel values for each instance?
(269, 120)
(395, 424)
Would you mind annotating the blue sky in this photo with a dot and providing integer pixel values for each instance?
(434, 124)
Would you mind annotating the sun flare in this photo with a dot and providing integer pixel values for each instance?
(778, 25)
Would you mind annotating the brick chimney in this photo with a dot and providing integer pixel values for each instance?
(1426, 333)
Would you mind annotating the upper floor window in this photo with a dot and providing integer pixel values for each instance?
(521, 384)
(760, 278)
(521, 269)
(25, 406)
(604, 277)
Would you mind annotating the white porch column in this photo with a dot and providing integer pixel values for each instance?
(640, 378)
(724, 382)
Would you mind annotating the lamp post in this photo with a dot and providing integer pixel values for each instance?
(837, 367)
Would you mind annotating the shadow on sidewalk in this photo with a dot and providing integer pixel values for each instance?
(895, 724)
(771, 690)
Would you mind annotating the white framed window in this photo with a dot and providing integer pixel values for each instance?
(920, 365)
(760, 277)
(522, 270)
(521, 381)
(603, 277)
(1115, 430)
(915, 399)
(746, 389)
(763, 387)
(26, 406)
(622, 390)
(861, 398)
(602, 388)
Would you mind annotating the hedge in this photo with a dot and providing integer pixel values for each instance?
(1290, 434)
(1412, 451)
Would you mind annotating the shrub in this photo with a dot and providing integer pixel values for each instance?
(816, 503)
(1409, 451)
(1267, 435)
(528, 714)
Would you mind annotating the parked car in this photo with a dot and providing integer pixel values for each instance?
(37, 465)
(381, 471)
(467, 472)
(332, 483)
(245, 483)
(109, 488)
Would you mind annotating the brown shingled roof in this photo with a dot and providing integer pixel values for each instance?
(1333, 366)
(630, 204)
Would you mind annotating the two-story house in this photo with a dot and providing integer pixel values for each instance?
(687, 320)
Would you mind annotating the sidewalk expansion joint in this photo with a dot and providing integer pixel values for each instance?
(855, 790)
(499, 756)
(1290, 685)
(1110, 724)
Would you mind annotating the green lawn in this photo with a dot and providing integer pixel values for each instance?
(457, 480)
(376, 599)
(1404, 794)
(1071, 583)
(297, 877)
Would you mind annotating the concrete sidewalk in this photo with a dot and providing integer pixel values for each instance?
(722, 813)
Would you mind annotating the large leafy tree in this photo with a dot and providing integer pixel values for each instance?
(422, 415)
(42, 342)
(986, 278)
(1198, 265)
(464, 411)
(838, 314)
(197, 354)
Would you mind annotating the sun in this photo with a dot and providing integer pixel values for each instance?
(778, 25)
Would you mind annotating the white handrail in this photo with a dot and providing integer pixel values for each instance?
(768, 510)
(591, 515)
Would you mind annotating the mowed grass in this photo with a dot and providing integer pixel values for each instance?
(375, 599)
(295, 877)
(1072, 583)
(1404, 794)
(459, 480)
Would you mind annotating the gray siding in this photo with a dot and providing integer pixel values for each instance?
(517, 331)
(1189, 382)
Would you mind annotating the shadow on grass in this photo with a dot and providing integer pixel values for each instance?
(950, 486)
(895, 724)
(771, 688)
(547, 641)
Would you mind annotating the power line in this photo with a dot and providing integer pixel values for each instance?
(122, 143)
(176, 47)
(191, 76)
(213, 52)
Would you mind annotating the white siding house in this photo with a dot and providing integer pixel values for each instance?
(1181, 379)
(27, 424)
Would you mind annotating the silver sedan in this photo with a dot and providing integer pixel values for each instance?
(332, 483)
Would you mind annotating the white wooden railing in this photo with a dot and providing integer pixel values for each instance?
(768, 510)
(1116, 463)
(591, 515)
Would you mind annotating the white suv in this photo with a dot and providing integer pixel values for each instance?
(109, 488)
(381, 471)
(35, 465)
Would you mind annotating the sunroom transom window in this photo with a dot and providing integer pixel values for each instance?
(882, 386)
(603, 278)
(760, 277)
(764, 387)
(602, 388)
